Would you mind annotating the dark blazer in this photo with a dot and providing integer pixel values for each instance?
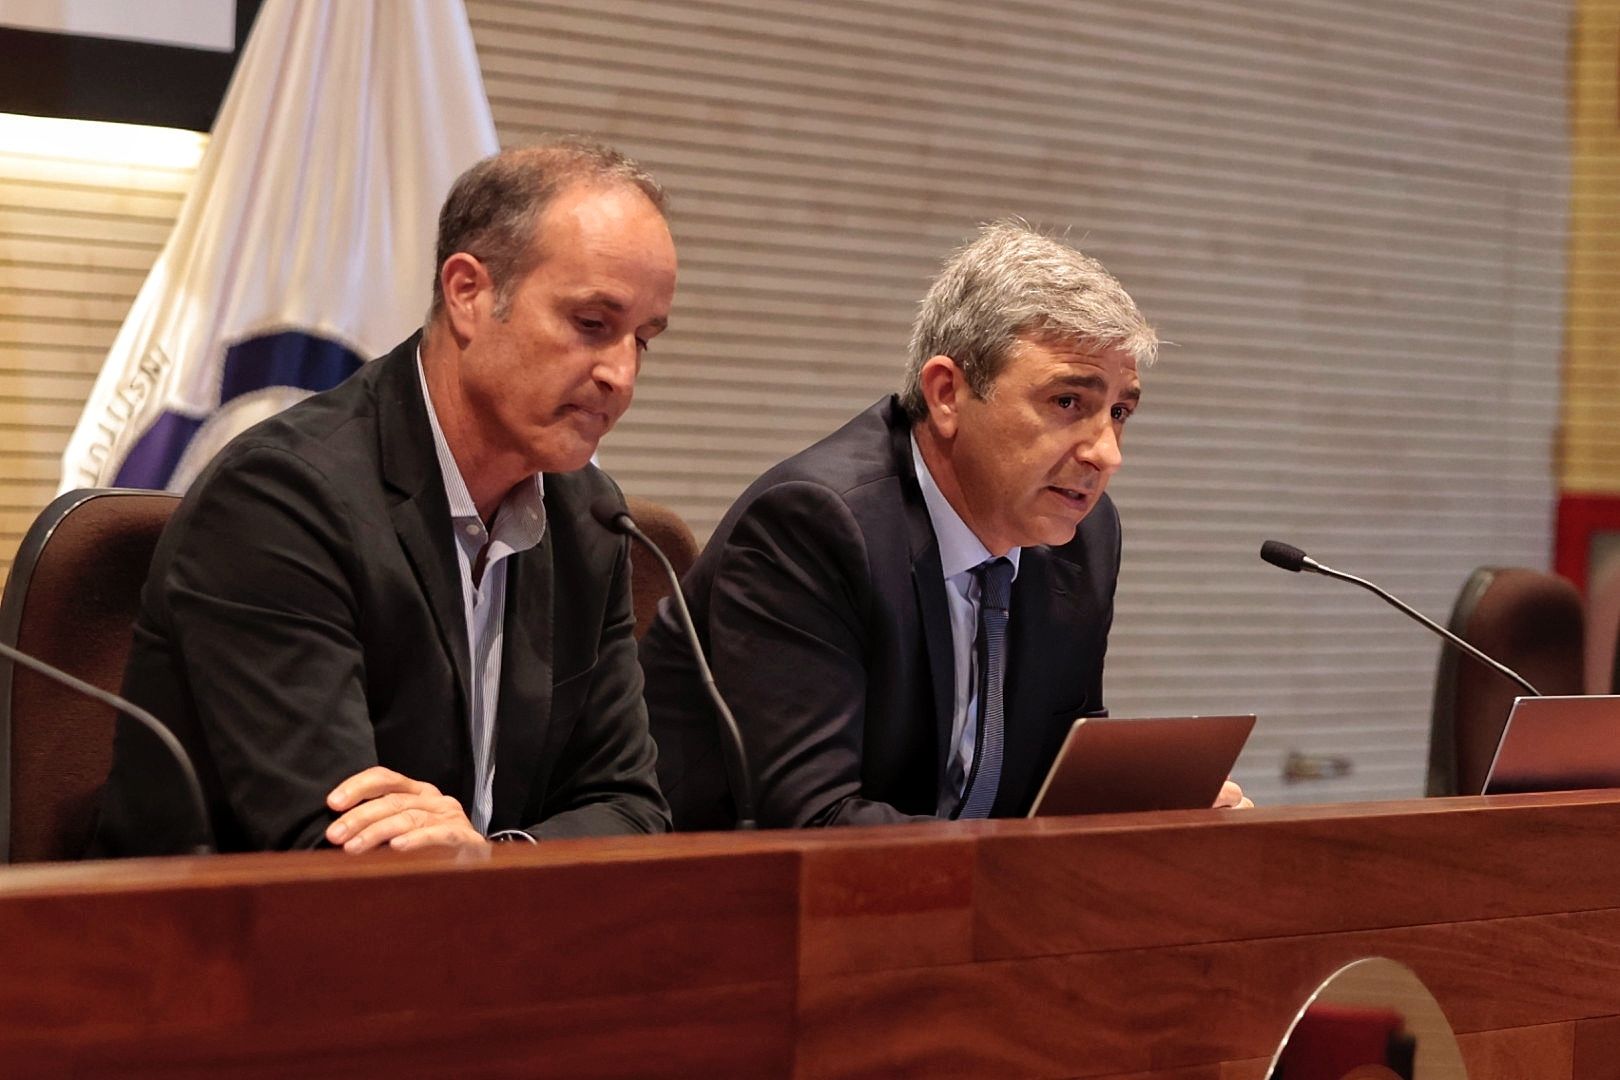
(821, 605)
(303, 620)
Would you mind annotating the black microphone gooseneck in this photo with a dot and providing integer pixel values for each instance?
(204, 844)
(1292, 558)
(610, 515)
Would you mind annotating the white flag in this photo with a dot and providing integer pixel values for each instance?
(306, 244)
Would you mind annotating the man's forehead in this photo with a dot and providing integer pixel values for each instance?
(608, 246)
(591, 201)
(1077, 359)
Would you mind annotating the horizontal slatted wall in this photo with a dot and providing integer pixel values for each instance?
(1348, 216)
(76, 242)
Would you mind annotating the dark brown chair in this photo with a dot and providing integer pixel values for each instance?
(1603, 629)
(648, 582)
(1529, 620)
(70, 601)
(1614, 674)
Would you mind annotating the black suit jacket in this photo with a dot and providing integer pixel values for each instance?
(303, 620)
(821, 605)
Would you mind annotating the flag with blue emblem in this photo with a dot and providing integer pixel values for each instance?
(306, 244)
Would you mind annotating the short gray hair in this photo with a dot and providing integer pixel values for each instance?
(494, 207)
(1009, 284)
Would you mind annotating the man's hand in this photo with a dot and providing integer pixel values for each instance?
(379, 806)
(1231, 796)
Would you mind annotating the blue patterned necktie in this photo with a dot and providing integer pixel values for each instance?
(995, 589)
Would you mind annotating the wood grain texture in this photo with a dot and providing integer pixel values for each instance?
(858, 953)
(1255, 1069)
(1174, 1007)
(1266, 876)
(922, 916)
(1597, 1049)
(1535, 1053)
(735, 1031)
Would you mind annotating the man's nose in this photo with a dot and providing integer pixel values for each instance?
(617, 365)
(1103, 452)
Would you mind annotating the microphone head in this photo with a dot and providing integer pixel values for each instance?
(1284, 555)
(611, 514)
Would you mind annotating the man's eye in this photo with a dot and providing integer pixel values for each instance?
(591, 326)
(642, 344)
(1065, 401)
(1122, 413)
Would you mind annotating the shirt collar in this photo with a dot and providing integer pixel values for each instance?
(521, 519)
(959, 549)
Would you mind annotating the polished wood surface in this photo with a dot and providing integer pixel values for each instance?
(1135, 947)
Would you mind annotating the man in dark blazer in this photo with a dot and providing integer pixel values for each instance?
(385, 616)
(840, 600)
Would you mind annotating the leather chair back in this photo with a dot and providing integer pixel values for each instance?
(1529, 620)
(1603, 629)
(71, 601)
(648, 582)
(1614, 673)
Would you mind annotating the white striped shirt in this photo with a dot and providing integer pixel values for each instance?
(520, 523)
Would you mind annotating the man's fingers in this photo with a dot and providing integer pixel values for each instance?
(383, 819)
(387, 828)
(372, 783)
(441, 835)
(354, 829)
(1232, 797)
(365, 815)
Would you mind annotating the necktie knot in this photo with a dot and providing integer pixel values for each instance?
(995, 582)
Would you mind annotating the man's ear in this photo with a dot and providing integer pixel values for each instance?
(944, 388)
(469, 294)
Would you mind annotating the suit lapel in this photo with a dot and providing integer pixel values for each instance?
(421, 516)
(524, 712)
(928, 581)
(1043, 585)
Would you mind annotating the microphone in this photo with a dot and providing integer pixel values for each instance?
(204, 844)
(615, 518)
(1293, 559)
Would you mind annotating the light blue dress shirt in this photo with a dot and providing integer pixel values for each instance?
(959, 552)
(520, 523)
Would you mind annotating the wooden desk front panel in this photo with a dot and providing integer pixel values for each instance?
(1149, 947)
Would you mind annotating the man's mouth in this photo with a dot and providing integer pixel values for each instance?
(594, 415)
(1079, 498)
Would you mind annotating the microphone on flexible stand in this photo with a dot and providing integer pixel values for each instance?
(615, 518)
(1293, 559)
(204, 838)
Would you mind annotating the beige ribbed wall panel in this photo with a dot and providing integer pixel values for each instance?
(76, 242)
(1349, 216)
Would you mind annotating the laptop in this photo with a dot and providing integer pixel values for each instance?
(1110, 766)
(1558, 744)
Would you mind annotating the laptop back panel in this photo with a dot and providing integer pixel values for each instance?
(1558, 744)
(1161, 763)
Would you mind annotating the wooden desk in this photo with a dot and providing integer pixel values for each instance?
(1153, 947)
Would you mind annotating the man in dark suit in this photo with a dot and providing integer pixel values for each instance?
(906, 617)
(386, 617)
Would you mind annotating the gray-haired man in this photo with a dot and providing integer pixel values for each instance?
(907, 616)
